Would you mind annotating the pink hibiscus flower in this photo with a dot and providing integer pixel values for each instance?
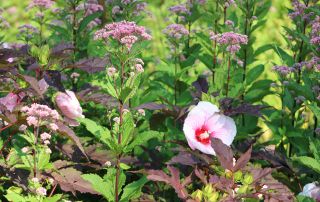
(204, 122)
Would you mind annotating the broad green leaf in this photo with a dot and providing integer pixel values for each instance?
(100, 186)
(314, 148)
(110, 178)
(133, 190)
(127, 128)
(100, 132)
(43, 160)
(14, 194)
(124, 166)
(84, 23)
(308, 162)
(254, 73)
(54, 198)
(315, 109)
(142, 138)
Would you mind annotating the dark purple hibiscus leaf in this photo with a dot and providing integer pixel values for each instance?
(246, 108)
(61, 50)
(201, 85)
(92, 65)
(92, 94)
(53, 78)
(33, 82)
(223, 152)
(185, 158)
(221, 183)
(201, 175)
(173, 180)
(243, 160)
(70, 180)
(274, 190)
(151, 106)
(65, 130)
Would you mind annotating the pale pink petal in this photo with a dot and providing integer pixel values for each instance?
(215, 122)
(227, 132)
(190, 125)
(205, 108)
(205, 148)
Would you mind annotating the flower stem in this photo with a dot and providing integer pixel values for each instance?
(119, 136)
(175, 75)
(228, 79)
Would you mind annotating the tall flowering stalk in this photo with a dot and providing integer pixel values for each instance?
(230, 43)
(38, 116)
(123, 84)
(176, 33)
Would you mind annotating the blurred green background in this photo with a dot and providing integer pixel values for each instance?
(16, 13)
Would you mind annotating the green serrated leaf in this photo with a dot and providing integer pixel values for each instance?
(142, 138)
(100, 186)
(133, 190)
(100, 132)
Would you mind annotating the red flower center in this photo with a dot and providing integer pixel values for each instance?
(203, 136)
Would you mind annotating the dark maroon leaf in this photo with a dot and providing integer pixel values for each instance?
(173, 180)
(201, 85)
(62, 50)
(151, 106)
(92, 65)
(70, 180)
(53, 78)
(243, 160)
(258, 174)
(223, 152)
(201, 175)
(33, 82)
(65, 130)
(184, 158)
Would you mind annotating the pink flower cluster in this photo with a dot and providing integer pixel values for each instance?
(127, 33)
(230, 39)
(38, 114)
(40, 3)
(180, 9)
(298, 9)
(92, 6)
(283, 70)
(315, 32)
(176, 31)
(140, 7)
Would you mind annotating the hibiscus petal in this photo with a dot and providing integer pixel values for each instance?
(227, 132)
(215, 122)
(205, 109)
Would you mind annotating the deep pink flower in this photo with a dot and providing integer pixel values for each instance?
(204, 122)
(69, 105)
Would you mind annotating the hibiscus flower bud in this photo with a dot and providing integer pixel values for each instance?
(69, 105)
(205, 122)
